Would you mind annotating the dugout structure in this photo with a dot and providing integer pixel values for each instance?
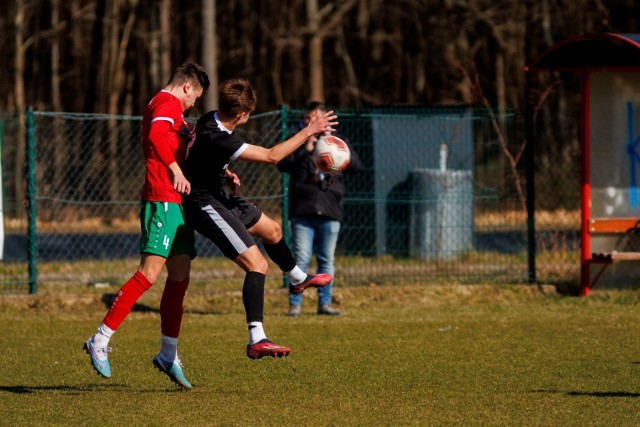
(609, 68)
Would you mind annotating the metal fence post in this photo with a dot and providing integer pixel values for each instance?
(31, 198)
(2, 189)
(285, 189)
(529, 165)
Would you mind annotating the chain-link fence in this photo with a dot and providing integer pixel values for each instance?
(557, 200)
(441, 197)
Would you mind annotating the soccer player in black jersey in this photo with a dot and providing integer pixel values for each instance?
(216, 212)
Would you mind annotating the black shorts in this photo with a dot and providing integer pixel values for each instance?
(223, 219)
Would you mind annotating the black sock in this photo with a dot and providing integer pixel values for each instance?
(281, 255)
(253, 296)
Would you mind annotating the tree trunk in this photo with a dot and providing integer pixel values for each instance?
(165, 39)
(55, 57)
(154, 47)
(319, 30)
(210, 52)
(276, 72)
(58, 146)
(19, 183)
(117, 54)
(96, 55)
(351, 79)
(501, 100)
(80, 54)
(316, 77)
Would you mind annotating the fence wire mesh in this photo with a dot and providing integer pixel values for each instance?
(439, 198)
(557, 200)
(434, 199)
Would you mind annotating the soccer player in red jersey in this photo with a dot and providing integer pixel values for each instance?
(215, 211)
(165, 238)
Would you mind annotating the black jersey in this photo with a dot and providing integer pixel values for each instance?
(211, 149)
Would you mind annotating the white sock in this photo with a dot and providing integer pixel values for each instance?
(256, 332)
(102, 336)
(169, 349)
(297, 276)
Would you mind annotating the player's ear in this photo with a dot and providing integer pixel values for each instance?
(187, 87)
(239, 116)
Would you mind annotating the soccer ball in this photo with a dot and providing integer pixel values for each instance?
(331, 154)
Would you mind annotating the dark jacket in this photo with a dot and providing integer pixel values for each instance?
(312, 192)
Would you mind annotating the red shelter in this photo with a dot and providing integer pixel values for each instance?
(609, 68)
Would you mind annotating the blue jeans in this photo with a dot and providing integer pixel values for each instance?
(317, 234)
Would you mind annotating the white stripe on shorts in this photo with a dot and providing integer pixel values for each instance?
(228, 232)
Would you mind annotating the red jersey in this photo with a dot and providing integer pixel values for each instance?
(164, 141)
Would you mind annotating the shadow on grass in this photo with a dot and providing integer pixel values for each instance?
(27, 389)
(590, 393)
(107, 300)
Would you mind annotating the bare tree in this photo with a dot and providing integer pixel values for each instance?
(512, 158)
(59, 151)
(20, 47)
(114, 78)
(56, 102)
(210, 51)
(165, 38)
(315, 51)
(320, 24)
(384, 52)
(154, 46)
(117, 50)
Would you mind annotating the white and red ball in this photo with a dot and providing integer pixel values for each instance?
(331, 154)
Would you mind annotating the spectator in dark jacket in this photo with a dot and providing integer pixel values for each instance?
(316, 208)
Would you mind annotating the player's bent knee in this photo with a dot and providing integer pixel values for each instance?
(268, 230)
(252, 260)
(150, 271)
(277, 232)
(275, 235)
(260, 265)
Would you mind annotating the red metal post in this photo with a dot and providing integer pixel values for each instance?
(585, 184)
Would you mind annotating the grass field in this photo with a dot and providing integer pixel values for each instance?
(423, 355)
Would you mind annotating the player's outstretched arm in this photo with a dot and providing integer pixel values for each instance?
(317, 124)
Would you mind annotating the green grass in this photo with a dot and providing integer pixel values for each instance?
(419, 355)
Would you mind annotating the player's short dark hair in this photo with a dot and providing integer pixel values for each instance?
(315, 105)
(190, 72)
(236, 96)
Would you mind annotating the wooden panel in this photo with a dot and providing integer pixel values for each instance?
(613, 225)
(625, 256)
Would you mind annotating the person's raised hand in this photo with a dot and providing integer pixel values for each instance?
(320, 123)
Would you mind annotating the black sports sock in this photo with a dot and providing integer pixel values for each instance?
(281, 255)
(253, 296)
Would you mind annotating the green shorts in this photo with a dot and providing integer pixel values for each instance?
(164, 231)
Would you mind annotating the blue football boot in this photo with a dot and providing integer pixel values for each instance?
(99, 358)
(173, 371)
